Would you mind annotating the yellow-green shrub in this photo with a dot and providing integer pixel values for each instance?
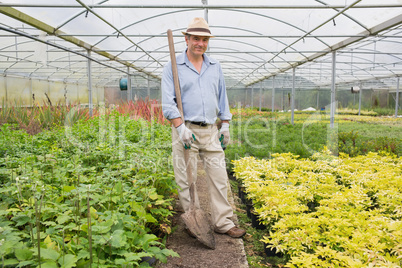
(329, 212)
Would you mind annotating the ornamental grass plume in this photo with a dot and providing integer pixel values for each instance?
(34, 119)
(147, 109)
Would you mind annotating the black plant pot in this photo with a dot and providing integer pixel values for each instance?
(239, 190)
(271, 252)
(242, 194)
(249, 207)
(255, 222)
(312, 206)
(150, 260)
(244, 197)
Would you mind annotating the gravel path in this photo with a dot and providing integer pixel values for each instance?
(229, 252)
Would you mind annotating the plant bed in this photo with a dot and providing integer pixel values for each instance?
(89, 193)
(261, 134)
(254, 248)
(328, 206)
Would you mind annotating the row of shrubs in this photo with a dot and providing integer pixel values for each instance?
(327, 211)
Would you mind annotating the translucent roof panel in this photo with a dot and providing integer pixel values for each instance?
(255, 40)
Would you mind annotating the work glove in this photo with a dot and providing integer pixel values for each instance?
(224, 135)
(186, 136)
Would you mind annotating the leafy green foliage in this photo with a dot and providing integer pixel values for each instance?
(261, 134)
(86, 191)
(351, 144)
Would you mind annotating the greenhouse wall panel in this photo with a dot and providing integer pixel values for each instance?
(23, 91)
(99, 96)
(72, 94)
(56, 92)
(18, 91)
(83, 94)
(39, 88)
(112, 95)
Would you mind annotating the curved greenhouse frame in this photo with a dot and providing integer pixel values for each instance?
(80, 50)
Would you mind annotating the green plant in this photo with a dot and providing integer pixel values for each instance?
(262, 134)
(328, 212)
(86, 194)
(348, 143)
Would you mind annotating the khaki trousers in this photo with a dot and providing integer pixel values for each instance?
(208, 147)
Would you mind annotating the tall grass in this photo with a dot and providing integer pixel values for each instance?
(147, 109)
(39, 117)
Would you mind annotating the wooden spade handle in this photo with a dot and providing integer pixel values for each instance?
(175, 73)
(180, 107)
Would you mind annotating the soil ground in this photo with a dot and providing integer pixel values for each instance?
(229, 251)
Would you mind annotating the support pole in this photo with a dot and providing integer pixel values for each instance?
(129, 89)
(273, 95)
(48, 88)
(65, 93)
(252, 96)
(205, 3)
(388, 98)
(89, 83)
(245, 101)
(333, 107)
(318, 99)
(260, 95)
(148, 89)
(360, 98)
(397, 98)
(5, 88)
(292, 96)
(31, 102)
(134, 90)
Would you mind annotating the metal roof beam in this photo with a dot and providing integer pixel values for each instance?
(225, 52)
(217, 36)
(18, 15)
(290, 66)
(58, 46)
(373, 31)
(202, 6)
(363, 79)
(117, 30)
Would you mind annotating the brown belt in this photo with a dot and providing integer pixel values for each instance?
(201, 124)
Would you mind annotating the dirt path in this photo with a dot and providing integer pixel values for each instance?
(229, 252)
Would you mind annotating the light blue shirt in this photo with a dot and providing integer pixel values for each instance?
(203, 94)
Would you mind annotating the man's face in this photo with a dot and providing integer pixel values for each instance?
(197, 45)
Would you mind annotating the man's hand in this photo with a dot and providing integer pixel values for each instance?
(224, 134)
(186, 136)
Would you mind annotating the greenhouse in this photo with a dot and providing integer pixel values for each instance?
(315, 144)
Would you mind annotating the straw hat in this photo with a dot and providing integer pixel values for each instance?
(198, 26)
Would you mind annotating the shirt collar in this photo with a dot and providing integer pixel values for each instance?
(183, 59)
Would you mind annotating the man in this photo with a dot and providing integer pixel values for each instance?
(204, 99)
